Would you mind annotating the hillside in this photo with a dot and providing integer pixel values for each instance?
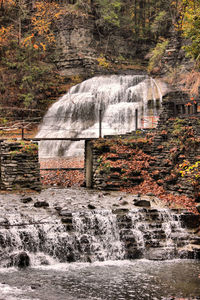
(48, 46)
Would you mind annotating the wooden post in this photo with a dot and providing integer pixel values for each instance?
(100, 123)
(88, 164)
(136, 119)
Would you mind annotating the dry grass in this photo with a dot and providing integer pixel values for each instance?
(16, 133)
(190, 82)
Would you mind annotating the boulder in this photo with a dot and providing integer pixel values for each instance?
(22, 260)
(26, 200)
(35, 286)
(142, 203)
(65, 213)
(66, 220)
(91, 206)
(124, 202)
(41, 204)
(190, 220)
(120, 211)
(58, 208)
(160, 254)
(134, 253)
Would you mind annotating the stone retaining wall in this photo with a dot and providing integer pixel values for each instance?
(19, 166)
(123, 162)
(113, 169)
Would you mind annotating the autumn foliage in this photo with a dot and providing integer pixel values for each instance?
(61, 178)
(27, 75)
(129, 166)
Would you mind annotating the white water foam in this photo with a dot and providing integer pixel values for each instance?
(90, 236)
(8, 292)
(76, 114)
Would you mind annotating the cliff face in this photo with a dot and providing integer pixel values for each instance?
(75, 53)
(83, 50)
(174, 57)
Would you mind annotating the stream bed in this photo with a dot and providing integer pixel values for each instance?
(82, 245)
(111, 280)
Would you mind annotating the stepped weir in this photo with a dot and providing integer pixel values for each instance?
(95, 235)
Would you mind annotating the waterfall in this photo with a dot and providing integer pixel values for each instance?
(76, 114)
(96, 235)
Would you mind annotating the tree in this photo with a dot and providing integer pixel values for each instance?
(191, 28)
(108, 13)
(192, 174)
(25, 41)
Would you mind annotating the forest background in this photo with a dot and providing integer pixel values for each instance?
(30, 77)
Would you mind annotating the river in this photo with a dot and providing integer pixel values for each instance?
(97, 234)
(111, 280)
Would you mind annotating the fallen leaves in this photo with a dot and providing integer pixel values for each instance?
(127, 160)
(173, 201)
(61, 178)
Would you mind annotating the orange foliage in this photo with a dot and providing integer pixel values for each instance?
(5, 34)
(45, 14)
(61, 177)
(7, 3)
(41, 20)
(150, 186)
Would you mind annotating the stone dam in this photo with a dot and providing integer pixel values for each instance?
(79, 225)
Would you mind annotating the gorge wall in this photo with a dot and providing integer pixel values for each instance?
(83, 51)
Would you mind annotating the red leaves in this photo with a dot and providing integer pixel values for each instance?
(163, 132)
(171, 200)
(132, 160)
(61, 177)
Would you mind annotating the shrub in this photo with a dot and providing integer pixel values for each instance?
(157, 54)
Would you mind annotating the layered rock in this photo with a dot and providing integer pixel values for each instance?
(19, 166)
(80, 45)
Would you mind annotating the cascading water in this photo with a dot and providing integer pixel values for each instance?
(89, 236)
(76, 114)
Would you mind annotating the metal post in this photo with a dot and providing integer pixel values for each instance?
(136, 119)
(100, 123)
(22, 132)
(195, 108)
